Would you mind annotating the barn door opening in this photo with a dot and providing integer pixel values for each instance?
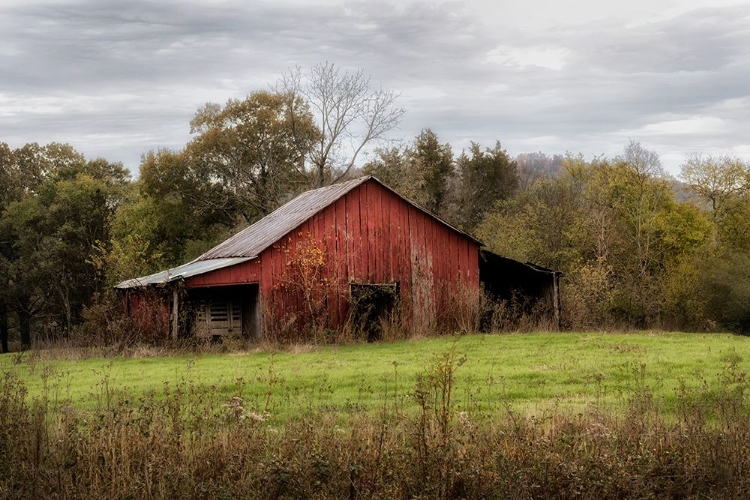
(224, 311)
(373, 305)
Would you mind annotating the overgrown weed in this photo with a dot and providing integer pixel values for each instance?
(192, 441)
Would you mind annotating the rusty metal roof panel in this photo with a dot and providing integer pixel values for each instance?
(250, 242)
(188, 270)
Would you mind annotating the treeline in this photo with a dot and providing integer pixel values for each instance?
(56, 215)
(638, 248)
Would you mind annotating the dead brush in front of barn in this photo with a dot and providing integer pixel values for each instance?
(475, 310)
(184, 443)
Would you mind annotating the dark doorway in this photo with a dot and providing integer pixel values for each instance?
(527, 287)
(224, 311)
(373, 305)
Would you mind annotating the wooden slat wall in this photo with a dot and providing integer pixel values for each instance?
(247, 272)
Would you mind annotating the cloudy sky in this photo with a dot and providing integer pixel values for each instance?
(118, 78)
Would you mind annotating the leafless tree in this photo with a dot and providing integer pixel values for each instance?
(642, 162)
(349, 112)
(533, 167)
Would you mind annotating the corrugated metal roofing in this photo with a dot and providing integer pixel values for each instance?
(184, 271)
(250, 242)
(487, 255)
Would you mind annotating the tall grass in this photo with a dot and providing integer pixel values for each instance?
(183, 442)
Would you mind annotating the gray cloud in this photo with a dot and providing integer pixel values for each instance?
(118, 78)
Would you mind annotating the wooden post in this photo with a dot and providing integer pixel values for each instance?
(175, 313)
(556, 299)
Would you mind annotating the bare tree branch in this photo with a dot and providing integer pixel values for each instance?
(348, 111)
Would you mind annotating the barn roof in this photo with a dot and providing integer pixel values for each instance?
(193, 268)
(251, 241)
(492, 258)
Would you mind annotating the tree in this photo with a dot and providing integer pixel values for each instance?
(733, 227)
(392, 166)
(51, 230)
(349, 112)
(421, 171)
(21, 237)
(533, 167)
(484, 178)
(432, 164)
(256, 147)
(643, 163)
(717, 179)
(7, 189)
(175, 211)
(539, 225)
(32, 163)
(616, 232)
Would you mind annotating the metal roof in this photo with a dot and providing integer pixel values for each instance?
(487, 255)
(250, 242)
(184, 271)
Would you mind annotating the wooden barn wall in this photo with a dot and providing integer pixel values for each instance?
(370, 235)
(241, 274)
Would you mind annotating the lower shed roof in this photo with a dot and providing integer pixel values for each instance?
(182, 272)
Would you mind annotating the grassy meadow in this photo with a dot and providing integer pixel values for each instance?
(541, 415)
(529, 372)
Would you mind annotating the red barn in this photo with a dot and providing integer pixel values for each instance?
(341, 255)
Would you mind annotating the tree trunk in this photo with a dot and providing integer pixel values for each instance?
(321, 176)
(3, 328)
(24, 322)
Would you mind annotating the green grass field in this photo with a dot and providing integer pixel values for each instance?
(530, 372)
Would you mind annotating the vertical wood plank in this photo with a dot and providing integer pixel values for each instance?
(408, 294)
(436, 257)
(363, 244)
(387, 247)
(175, 313)
(451, 257)
(434, 261)
(368, 240)
(474, 263)
(331, 269)
(419, 262)
(373, 237)
(277, 271)
(342, 218)
(354, 221)
(265, 289)
(464, 255)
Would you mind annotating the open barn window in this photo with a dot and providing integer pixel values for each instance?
(372, 306)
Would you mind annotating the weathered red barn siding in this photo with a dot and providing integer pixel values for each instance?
(241, 274)
(369, 235)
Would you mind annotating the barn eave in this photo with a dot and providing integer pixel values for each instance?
(194, 268)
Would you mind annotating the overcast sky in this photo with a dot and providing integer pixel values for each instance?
(119, 78)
